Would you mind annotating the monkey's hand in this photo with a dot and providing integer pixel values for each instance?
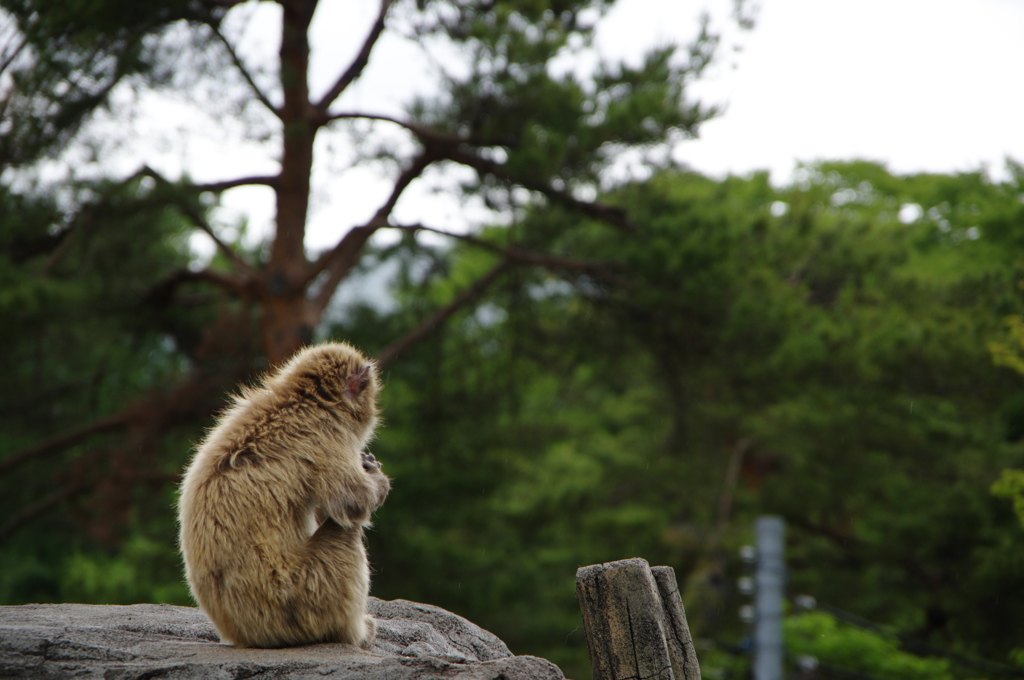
(356, 497)
(370, 462)
(380, 482)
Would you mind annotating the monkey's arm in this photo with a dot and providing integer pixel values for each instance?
(359, 492)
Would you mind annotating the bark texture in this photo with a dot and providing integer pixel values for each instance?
(635, 623)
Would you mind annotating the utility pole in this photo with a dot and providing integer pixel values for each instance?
(769, 581)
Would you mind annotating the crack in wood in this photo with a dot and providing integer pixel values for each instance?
(646, 677)
(632, 639)
(628, 598)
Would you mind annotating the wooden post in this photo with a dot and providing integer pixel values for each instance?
(680, 643)
(635, 622)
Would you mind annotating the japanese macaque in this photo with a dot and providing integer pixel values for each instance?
(273, 506)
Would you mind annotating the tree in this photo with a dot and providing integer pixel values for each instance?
(801, 350)
(83, 341)
(820, 636)
(509, 117)
(680, 355)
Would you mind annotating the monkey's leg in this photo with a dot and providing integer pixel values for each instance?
(331, 605)
(371, 633)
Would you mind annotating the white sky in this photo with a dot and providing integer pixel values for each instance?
(922, 85)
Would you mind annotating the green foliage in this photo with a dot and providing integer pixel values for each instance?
(552, 124)
(85, 343)
(93, 283)
(1011, 485)
(576, 418)
(716, 663)
(1008, 352)
(829, 339)
(819, 635)
(71, 54)
(91, 275)
(144, 570)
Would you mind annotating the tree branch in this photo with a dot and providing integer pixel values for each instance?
(725, 496)
(214, 187)
(226, 4)
(40, 506)
(453, 148)
(64, 440)
(340, 260)
(217, 187)
(609, 214)
(147, 418)
(245, 72)
(85, 219)
(523, 255)
(200, 221)
(33, 510)
(13, 55)
(162, 292)
(425, 134)
(355, 69)
(58, 252)
(470, 294)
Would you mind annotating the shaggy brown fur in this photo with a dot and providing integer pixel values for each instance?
(258, 560)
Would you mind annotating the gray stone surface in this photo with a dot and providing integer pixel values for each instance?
(148, 641)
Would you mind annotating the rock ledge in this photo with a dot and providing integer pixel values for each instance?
(148, 641)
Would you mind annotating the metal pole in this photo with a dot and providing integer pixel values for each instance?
(769, 581)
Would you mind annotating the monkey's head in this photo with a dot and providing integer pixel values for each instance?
(335, 376)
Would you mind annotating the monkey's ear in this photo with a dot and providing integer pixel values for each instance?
(358, 381)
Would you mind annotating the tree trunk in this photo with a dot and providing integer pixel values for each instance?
(287, 325)
(286, 319)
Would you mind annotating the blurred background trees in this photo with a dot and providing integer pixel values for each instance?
(611, 369)
(801, 351)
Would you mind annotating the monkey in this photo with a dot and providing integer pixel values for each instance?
(273, 505)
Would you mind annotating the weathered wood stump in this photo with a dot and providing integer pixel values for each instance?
(635, 622)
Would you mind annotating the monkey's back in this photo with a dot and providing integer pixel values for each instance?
(256, 561)
(246, 512)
